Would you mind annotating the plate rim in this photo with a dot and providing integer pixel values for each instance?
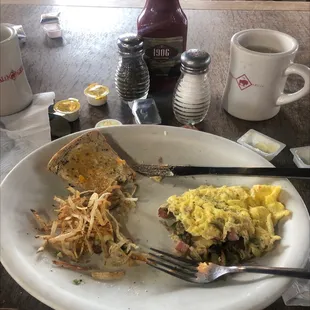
(49, 301)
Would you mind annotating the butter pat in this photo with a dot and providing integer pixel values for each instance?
(108, 122)
(301, 156)
(265, 146)
(96, 94)
(68, 109)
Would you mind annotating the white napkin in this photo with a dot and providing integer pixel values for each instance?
(299, 293)
(23, 132)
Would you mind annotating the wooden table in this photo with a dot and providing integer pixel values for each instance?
(87, 53)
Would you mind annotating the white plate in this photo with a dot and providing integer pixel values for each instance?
(30, 186)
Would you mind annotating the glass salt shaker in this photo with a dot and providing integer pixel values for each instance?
(132, 79)
(192, 97)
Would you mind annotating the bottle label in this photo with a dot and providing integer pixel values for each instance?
(162, 55)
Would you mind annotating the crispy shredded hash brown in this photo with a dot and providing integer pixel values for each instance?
(85, 225)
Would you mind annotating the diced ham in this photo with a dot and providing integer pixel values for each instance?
(182, 247)
(216, 239)
(163, 213)
(232, 236)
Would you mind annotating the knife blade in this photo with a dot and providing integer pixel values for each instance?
(169, 171)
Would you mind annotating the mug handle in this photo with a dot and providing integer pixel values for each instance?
(304, 72)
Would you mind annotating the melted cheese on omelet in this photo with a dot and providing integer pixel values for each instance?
(211, 213)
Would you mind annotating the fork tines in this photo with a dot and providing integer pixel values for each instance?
(179, 267)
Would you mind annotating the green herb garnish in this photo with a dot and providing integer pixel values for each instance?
(77, 281)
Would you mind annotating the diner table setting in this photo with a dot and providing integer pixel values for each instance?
(195, 93)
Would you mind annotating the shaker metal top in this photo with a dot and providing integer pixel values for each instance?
(130, 43)
(195, 61)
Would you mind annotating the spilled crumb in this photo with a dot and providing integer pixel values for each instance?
(157, 179)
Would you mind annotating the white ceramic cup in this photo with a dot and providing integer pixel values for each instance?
(15, 92)
(260, 62)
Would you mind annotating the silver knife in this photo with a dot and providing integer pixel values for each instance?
(169, 171)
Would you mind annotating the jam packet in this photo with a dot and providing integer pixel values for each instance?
(50, 18)
(51, 26)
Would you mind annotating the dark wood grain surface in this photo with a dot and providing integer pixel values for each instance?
(87, 53)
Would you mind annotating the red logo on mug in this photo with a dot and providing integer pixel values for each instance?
(243, 82)
(12, 75)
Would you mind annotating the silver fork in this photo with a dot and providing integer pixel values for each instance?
(186, 269)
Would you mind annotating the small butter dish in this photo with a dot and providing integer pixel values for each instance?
(108, 122)
(301, 156)
(53, 31)
(265, 146)
(68, 109)
(96, 94)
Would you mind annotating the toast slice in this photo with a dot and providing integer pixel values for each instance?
(90, 163)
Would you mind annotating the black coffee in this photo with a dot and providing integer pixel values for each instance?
(262, 49)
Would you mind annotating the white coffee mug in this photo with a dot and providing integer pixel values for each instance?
(15, 92)
(260, 62)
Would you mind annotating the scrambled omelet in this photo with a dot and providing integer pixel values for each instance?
(225, 225)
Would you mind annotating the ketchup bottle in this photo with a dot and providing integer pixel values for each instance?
(163, 26)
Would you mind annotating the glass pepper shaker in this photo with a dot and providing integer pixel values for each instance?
(132, 79)
(192, 97)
